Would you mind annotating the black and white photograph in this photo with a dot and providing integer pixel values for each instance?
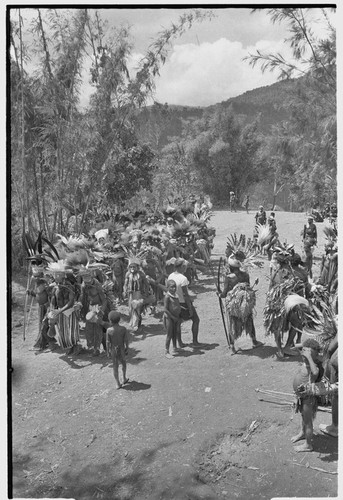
(172, 251)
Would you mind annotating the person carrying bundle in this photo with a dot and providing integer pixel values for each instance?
(240, 302)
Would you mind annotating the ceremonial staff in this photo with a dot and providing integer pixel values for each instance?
(229, 341)
(29, 278)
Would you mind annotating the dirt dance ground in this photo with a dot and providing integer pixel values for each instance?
(191, 427)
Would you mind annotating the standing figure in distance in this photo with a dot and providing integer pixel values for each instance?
(261, 216)
(309, 241)
(232, 201)
(247, 203)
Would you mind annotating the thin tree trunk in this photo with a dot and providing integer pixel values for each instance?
(37, 196)
(42, 194)
(23, 165)
(84, 212)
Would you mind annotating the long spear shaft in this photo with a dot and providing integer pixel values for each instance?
(229, 341)
(26, 299)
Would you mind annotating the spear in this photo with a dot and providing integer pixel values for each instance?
(29, 277)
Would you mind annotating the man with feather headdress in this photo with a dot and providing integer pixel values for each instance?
(118, 273)
(240, 300)
(136, 288)
(63, 314)
(93, 299)
(38, 285)
(39, 288)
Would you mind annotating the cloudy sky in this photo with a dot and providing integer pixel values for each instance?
(205, 65)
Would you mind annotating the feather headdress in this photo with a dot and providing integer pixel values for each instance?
(35, 251)
(243, 249)
(59, 267)
(263, 234)
(330, 234)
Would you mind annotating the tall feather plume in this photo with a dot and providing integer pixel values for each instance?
(263, 234)
(244, 250)
(330, 233)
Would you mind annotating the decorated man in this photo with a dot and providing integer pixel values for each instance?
(39, 288)
(240, 302)
(136, 289)
(93, 300)
(63, 314)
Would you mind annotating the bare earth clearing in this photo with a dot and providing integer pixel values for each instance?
(179, 429)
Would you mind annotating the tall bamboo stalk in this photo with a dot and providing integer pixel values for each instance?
(23, 163)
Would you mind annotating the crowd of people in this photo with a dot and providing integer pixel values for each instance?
(147, 258)
(300, 311)
(135, 259)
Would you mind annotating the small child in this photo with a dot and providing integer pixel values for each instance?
(311, 371)
(171, 316)
(117, 344)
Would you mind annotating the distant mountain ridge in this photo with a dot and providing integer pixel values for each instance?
(269, 103)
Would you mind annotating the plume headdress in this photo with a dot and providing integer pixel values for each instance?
(263, 234)
(59, 267)
(243, 250)
(36, 253)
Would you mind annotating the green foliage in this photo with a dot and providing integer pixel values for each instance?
(306, 146)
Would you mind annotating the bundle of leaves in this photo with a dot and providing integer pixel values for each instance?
(181, 230)
(152, 235)
(204, 214)
(174, 212)
(330, 233)
(320, 321)
(274, 311)
(196, 221)
(241, 301)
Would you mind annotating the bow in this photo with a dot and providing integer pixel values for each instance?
(229, 341)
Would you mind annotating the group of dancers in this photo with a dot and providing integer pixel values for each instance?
(152, 257)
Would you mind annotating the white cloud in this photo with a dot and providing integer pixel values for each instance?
(204, 74)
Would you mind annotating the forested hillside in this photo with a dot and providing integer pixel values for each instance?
(161, 122)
